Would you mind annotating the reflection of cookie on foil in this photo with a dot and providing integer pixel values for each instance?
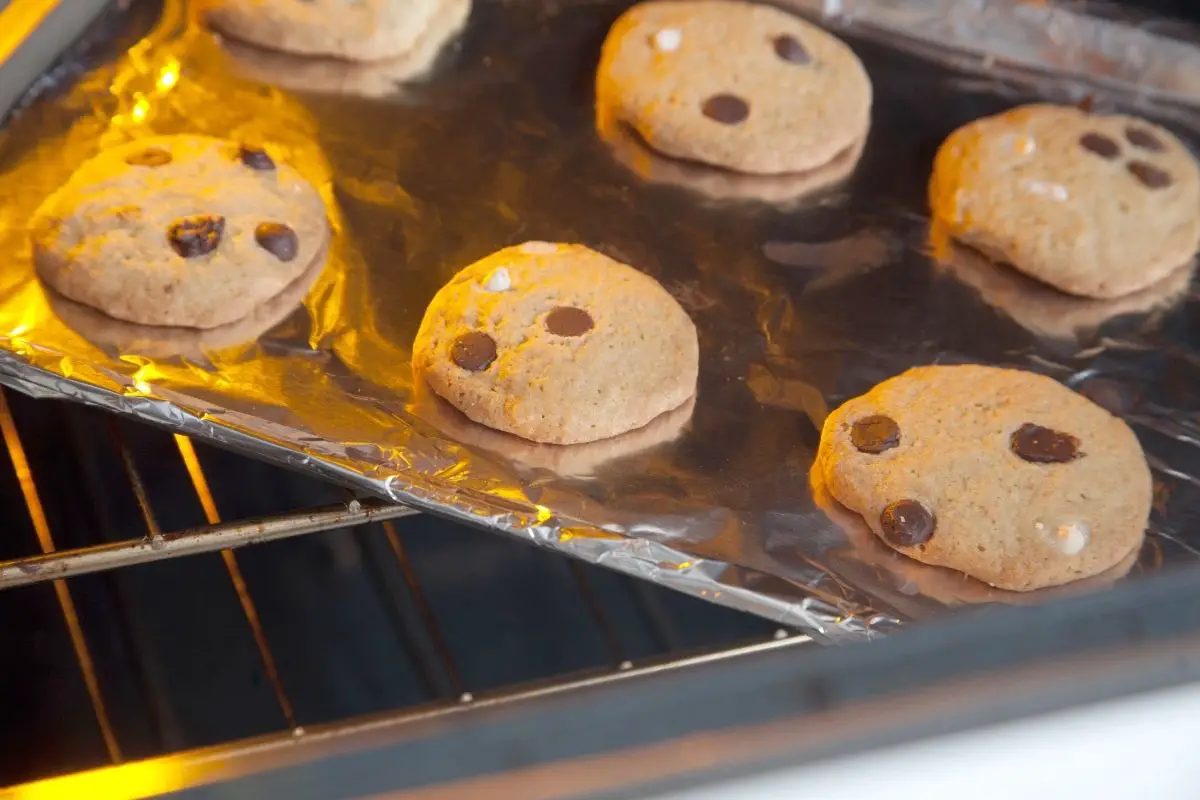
(939, 583)
(337, 76)
(1047, 312)
(721, 184)
(127, 338)
(577, 460)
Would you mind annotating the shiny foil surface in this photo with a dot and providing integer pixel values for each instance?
(799, 305)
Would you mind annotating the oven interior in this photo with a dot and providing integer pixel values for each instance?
(404, 616)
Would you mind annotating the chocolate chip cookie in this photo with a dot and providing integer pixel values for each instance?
(1047, 312)
(339, 76)
(557, 343)
(364, 30)
(910, 579)
(722, 185)
(736, 85)
(120, 338)
(186, 231)
(1005, 475)
(1094, 205)
(573, 460)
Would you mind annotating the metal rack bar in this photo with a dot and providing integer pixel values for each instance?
(608, 631)
(136, 641)
(660, 621)
(135, 479)
(189, 769)
(204, 539)
(204, 494)
(41, 527)
(425, 612)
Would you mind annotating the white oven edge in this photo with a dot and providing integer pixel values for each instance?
(1141, 746)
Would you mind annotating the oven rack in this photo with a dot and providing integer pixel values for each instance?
(130, 548)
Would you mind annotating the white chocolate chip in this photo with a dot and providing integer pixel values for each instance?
(961, 202)
(668, 39)
(498, 280)
(1069, 538)
(1025, 145)
(1053, 190)
(539, 248)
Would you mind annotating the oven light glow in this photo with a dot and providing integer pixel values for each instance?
(147, 779)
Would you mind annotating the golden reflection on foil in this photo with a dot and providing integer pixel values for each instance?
(169, 75)
(566, 534)
(17, 20)
(173, 81)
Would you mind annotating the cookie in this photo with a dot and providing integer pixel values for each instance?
(721, 184)
(557, 343)
(571, 460)
(1047, 312)
(945, 586)
(338, 76)
(1007, 476)
(736, 85)
(364, 30)
(161, 342)
(1094, 205)
(185, 231)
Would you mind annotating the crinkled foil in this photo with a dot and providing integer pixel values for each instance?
(799, 306)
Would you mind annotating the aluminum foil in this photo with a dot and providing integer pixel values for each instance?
(799, 306)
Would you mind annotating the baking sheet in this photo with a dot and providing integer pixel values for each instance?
(798, 306)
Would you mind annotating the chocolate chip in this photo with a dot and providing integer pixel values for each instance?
(1145, 139)
(150, 157)
(727, 109)
(1087, 104)
(255, 158)
(789, 49)
(569, 321)
(474, 351)
(1149, 175)
(1044, 446)
(196, 236)
(875, 434)
(907, 523)
(277, 239)
(1101, 145)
